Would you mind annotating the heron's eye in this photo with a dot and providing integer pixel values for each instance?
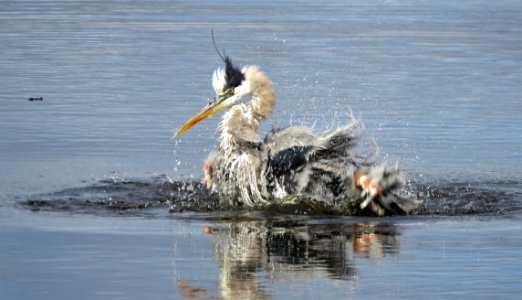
(231, 91)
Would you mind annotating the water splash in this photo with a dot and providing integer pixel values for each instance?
(160, 195)
(128, 197)
(470, 198)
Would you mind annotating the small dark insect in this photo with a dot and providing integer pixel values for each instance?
(35, 99)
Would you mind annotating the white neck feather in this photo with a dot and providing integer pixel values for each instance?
(239, 125)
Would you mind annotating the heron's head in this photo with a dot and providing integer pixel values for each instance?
(230, 86)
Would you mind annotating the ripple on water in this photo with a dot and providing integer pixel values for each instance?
(159, 195)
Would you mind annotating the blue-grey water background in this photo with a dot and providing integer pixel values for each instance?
(437, 84)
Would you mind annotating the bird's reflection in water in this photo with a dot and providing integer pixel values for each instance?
(251, 253)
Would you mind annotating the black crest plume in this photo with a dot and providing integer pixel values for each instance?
(233, 75)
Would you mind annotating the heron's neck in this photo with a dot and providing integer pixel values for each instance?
(263, 95)
(239, 125)
(238, 128)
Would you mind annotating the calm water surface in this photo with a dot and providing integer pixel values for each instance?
(437, 85)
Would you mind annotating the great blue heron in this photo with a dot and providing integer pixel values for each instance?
(294, 161)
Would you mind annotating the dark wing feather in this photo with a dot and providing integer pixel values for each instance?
(288, 160)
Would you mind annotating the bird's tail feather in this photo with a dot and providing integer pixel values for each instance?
(339, 144)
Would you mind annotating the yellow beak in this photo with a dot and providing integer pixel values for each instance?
(204, 113)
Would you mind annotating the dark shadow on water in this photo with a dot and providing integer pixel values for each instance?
(252, 254)
(469, 198)
(159, 195)
(127, 197)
